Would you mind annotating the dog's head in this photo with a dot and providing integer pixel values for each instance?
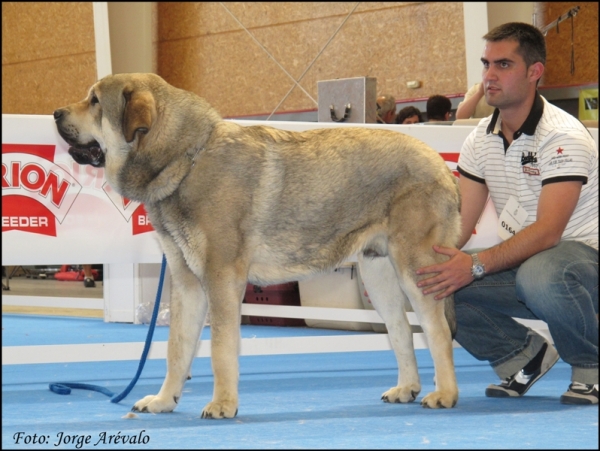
(117, 110)
(142, 130)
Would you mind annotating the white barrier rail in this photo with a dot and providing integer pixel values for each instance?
(361, 341)
(46, 301)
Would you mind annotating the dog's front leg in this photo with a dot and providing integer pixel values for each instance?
(188, 312)
(225, 304)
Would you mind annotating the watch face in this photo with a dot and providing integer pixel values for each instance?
(478, 271)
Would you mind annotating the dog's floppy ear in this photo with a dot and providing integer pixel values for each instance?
(139, 113)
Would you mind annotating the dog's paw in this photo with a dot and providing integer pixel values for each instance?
(402, 394)
(215, 409)
(438, 399)
(155, 404)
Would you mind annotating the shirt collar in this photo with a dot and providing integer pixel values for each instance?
(528, 127)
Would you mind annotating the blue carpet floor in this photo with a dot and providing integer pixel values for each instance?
(28, 330)
(306, 401)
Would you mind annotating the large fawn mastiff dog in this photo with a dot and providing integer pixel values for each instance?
(233, 204)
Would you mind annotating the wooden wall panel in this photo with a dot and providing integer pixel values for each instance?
(585, 43)
(203, 48)
(42, 86)
(48, 55)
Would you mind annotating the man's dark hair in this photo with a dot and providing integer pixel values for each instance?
(408, 111)
(437, 107)
(532, 45)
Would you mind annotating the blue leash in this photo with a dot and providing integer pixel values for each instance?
(64, 388)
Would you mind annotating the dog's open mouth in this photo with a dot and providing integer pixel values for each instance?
(88, 155)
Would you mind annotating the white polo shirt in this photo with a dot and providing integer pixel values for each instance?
(550, 147)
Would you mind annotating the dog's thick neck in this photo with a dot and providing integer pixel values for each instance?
(137, 184)
(151, 174)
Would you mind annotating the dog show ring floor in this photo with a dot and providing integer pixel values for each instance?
(303, 401)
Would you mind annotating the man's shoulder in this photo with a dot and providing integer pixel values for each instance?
(480, 141)
(555, 120)
(481, 130)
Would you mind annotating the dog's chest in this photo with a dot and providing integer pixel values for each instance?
(174, 223)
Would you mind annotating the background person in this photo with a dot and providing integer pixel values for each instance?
(88, 277)
(409, 115)
(386, 109)
(439, 108)
(474, 105)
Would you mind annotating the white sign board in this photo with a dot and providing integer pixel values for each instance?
(56, 211)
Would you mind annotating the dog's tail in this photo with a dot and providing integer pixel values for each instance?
(450, 314)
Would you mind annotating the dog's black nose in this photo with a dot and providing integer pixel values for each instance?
(58, 114)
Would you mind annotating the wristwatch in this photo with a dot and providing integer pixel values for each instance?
(478, 268)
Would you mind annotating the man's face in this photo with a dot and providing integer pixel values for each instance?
(411, 120)
(507, 81)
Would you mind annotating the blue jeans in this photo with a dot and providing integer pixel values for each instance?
(558, 286)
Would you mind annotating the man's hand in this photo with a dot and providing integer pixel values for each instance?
(449, 276)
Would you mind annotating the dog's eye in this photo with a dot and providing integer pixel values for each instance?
(94, 100)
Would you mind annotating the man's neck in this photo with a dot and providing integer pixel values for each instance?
(513, 117)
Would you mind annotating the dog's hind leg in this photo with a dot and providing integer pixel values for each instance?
(431, 315)
(188, 311)
(381, 282)
(434, 219)
(432, 319)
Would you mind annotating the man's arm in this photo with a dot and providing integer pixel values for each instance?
(466, 108)
(556, 205)
(473, 196)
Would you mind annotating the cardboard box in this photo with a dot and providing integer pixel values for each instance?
(338, 289)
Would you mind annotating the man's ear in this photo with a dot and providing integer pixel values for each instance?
(536, 70)
(139, 113)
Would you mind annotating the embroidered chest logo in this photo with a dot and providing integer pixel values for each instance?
(529, 163)
(560, 159)
(531, 157)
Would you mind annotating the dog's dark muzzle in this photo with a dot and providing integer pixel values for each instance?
(89, 155)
